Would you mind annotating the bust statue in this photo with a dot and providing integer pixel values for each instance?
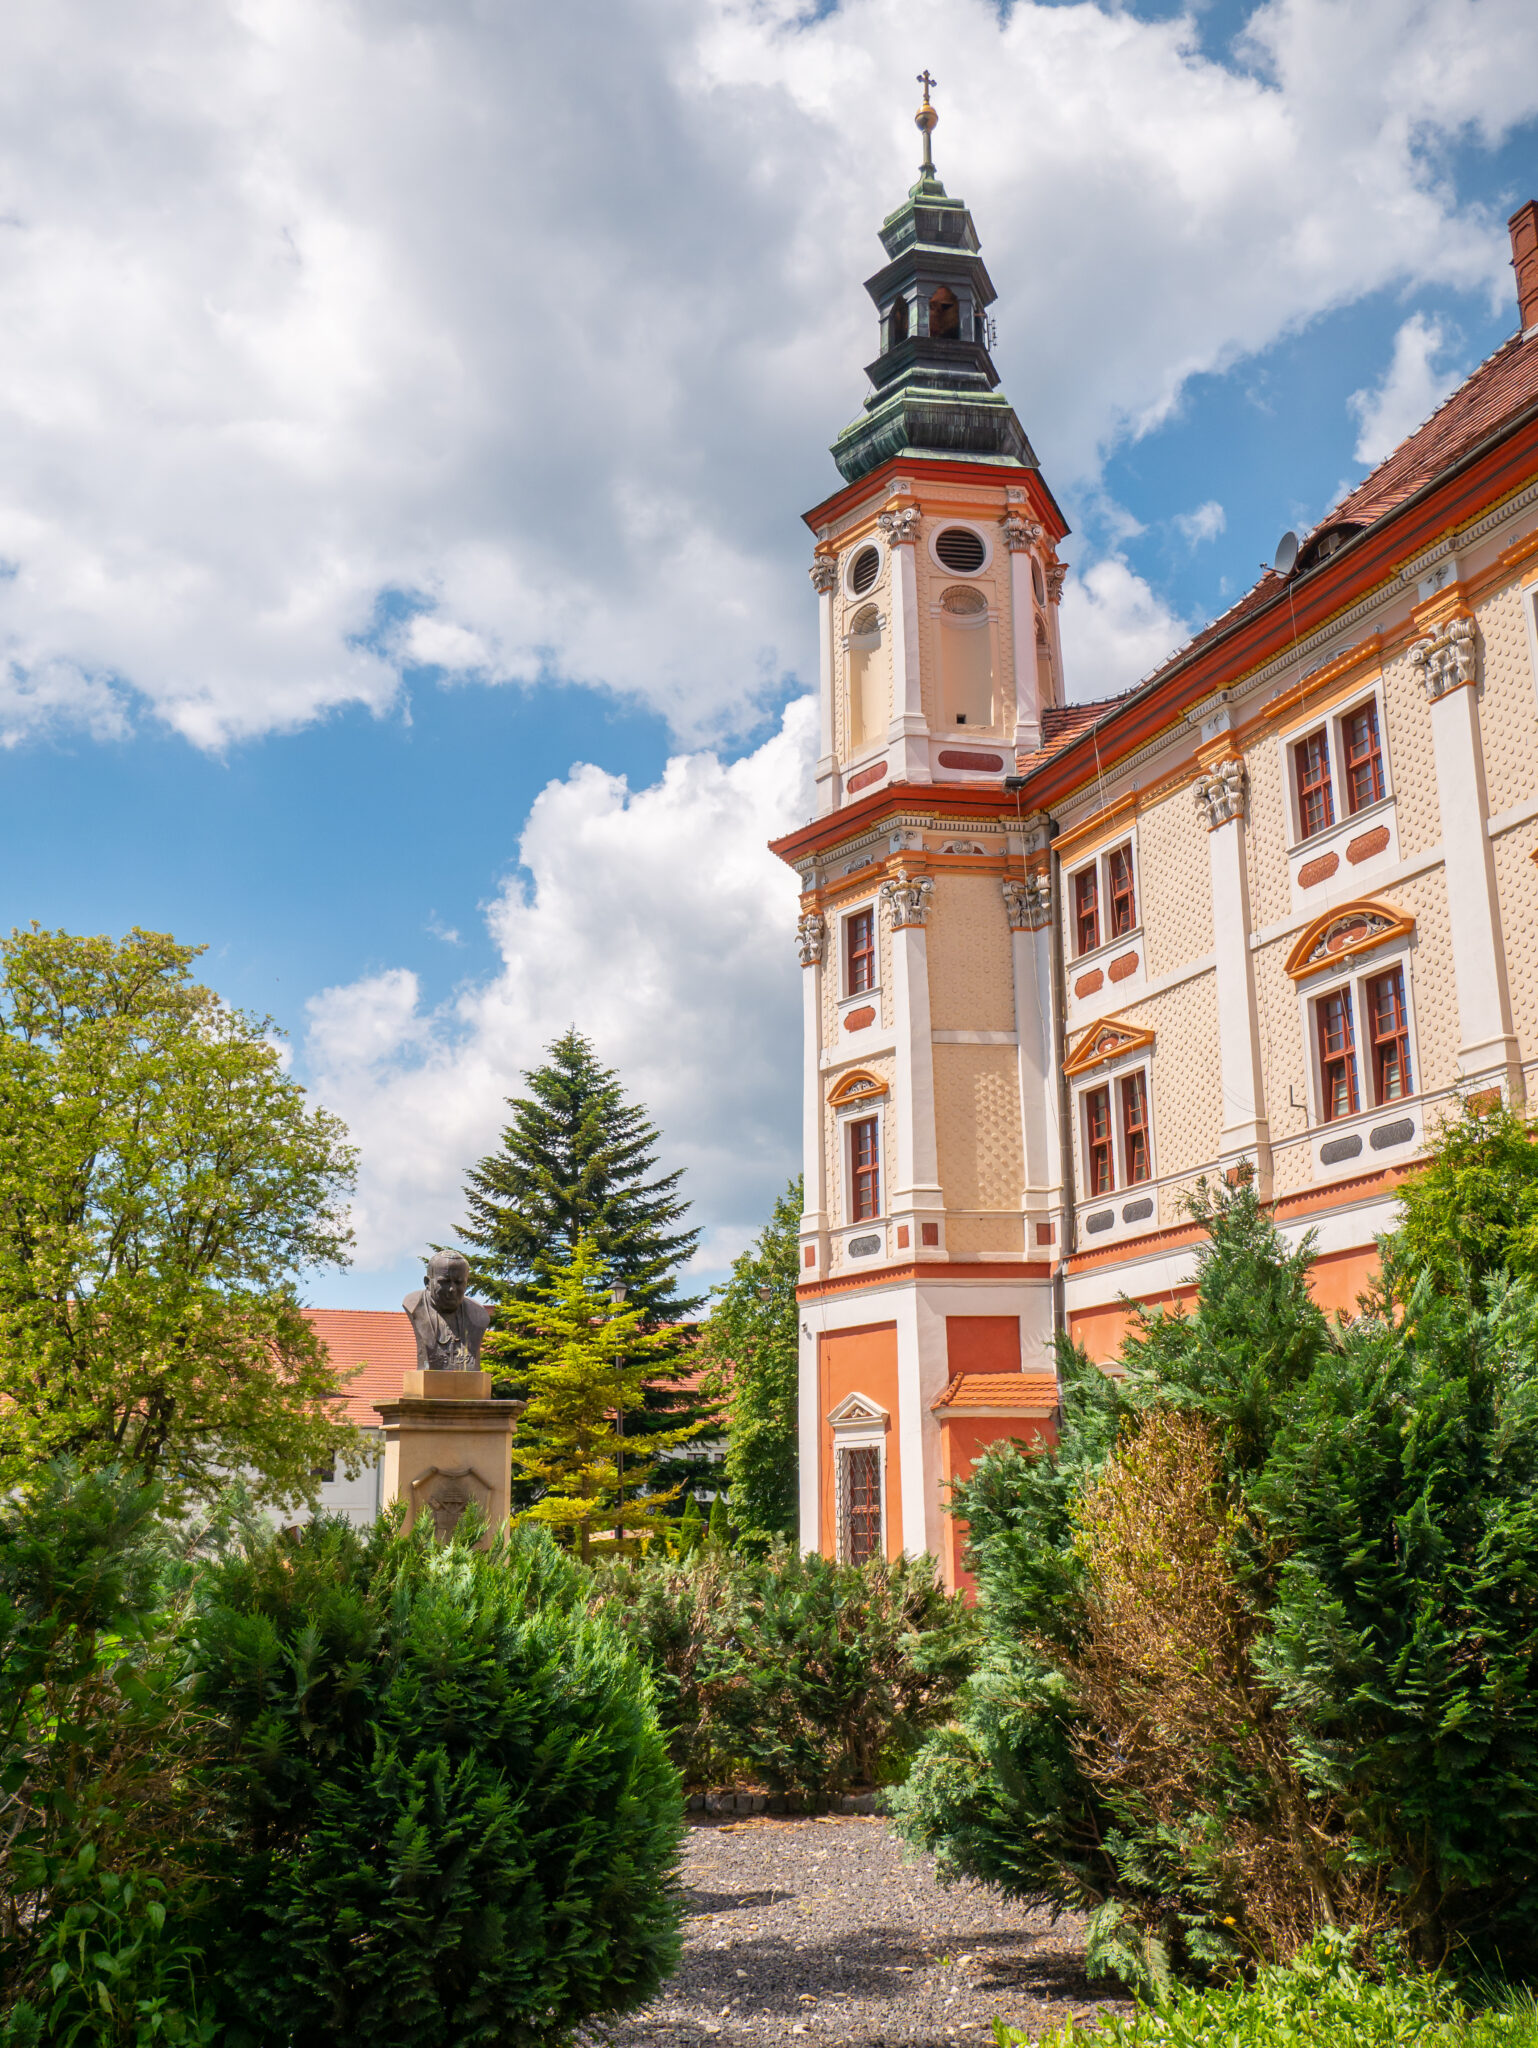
(448, 1328)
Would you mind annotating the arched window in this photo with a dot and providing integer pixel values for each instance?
(944, 315)
(1038, 581)
(966, 658)
(897, 322)
(868, 691)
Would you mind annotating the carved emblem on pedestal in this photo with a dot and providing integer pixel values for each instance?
(1445, 657)
(810, 933)
(1028, 903)
(1220, 792)
(907, 898)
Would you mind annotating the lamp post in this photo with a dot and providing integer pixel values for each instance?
(617, 1296)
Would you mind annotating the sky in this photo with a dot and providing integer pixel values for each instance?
(407, 411)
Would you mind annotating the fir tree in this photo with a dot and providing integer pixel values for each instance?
(577, 1162)
(750, 1353)
(720, 1523)
(586, 1361)
(691, 1527)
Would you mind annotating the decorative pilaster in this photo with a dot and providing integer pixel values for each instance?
(1028, 907)
(1445, 657)
(1021, 536)
(916, 1197)
(1220, 792)
(907, 735)
(1028, 902)
(824, 575)
(811, 932)
(811, 940)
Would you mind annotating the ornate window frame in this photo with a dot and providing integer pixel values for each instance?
(971, 526)
(847, 560)
(1109, 1053)
(858, 1423)
(1332, 716)
(1100, 861)
(1375, 1133)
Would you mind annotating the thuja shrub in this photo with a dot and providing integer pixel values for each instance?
(451, 1813)
(803, 1674)
(104, 1827)
(1261, 1634)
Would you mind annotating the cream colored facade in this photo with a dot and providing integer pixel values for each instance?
(1269, 914)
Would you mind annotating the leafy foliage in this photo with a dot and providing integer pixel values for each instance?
(453, 1815)
(808, 1675)
(1262, 1634)
(749, 1346)
(101, 1828)
(1473, 1210)
(586, 1361)
(162, 1186)
(1322, 1997)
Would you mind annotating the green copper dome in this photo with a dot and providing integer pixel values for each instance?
(935, 388)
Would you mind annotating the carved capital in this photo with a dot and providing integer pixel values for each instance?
(1444, 657)
(1056, 577)
(810, 933)
(824, 574)
(1028, 903)
(1221, 792)
(901, 528)
(907, 898)
(1019, 532)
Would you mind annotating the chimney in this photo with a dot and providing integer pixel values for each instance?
(1524, 261)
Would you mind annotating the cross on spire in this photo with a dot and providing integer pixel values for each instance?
(924, 120)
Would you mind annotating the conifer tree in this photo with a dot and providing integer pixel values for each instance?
(586, 1361)
(720, 1523)
(577, 1161)
(691, 1527)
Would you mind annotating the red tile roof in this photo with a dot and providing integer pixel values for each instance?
(381, 1341)
(1504, 387)
(1031, 1393)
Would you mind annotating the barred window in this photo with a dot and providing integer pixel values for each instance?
(859, 1503)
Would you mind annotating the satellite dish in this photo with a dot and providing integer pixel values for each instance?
(1286, 554)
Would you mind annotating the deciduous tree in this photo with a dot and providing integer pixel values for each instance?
(163, 1185)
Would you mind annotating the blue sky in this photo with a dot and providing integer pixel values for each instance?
(401, 470)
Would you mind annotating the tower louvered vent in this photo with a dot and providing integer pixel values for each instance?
(960, 550)
(867, 564)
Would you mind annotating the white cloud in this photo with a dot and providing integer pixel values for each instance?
(338, 337)
(1410, 390)
(658, 923)
(1205, 523)
(1115, 629)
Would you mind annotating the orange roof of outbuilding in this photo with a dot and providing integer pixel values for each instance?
(381, 1341)
(1031, 1393)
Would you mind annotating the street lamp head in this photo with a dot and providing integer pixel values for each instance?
(617, 1293)
(766, 1294)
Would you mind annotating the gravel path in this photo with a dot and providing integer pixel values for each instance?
(825, 1928)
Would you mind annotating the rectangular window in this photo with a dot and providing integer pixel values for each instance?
(1316, 804)
(1364, 757)
(1337, 1056)
(861, 1504)
(862, 952)
(865, 1168)
(1123, 909)
(1134, 1127)
(1390, 1037)
(1097, 1132)
(1086, 908)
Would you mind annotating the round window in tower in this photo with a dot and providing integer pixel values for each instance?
(864, 570)
(961, 550)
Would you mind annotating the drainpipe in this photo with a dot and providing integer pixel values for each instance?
(1064, 1092)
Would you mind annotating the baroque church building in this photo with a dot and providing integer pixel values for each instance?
(1270, 912)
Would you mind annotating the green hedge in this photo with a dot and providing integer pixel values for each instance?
(799, 1673)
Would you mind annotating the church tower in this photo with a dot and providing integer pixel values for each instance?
(932, 1147)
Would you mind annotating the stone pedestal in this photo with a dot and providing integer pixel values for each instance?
(447, 1443)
